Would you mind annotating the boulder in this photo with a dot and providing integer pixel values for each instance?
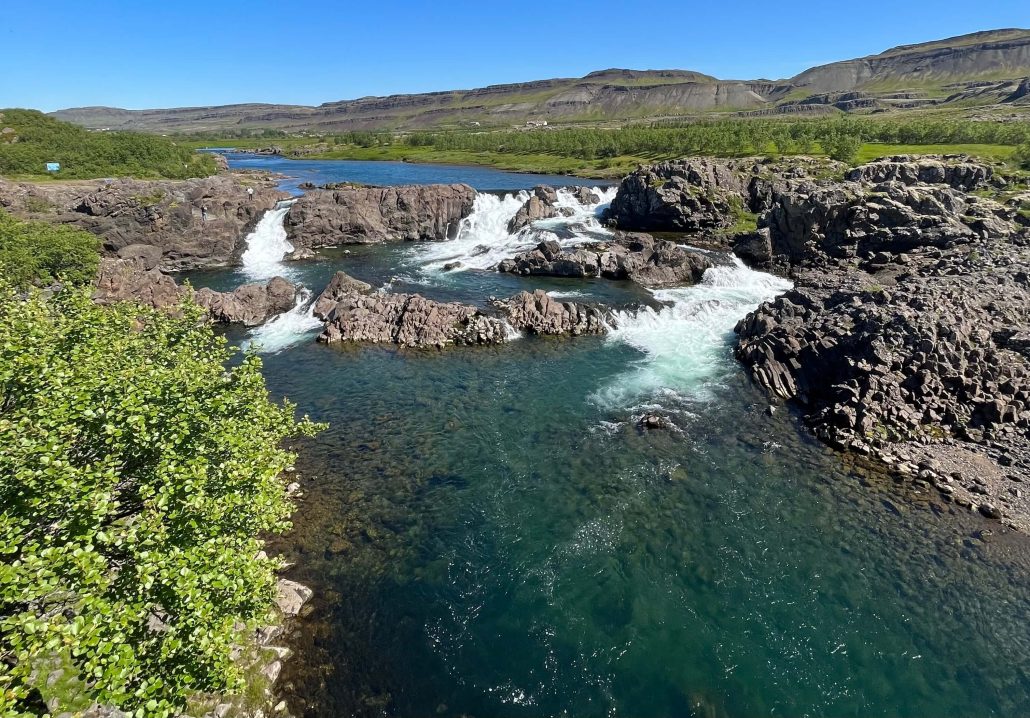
(540, 205)
(291, 596)
(341, 285)
(123, 280)
(249, 304)
(539, 313)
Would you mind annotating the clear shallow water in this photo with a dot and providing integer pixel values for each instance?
(395, 173)
(488, 533)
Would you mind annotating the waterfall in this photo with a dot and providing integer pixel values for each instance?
(288, 328)
(483, 239)
(267, 245)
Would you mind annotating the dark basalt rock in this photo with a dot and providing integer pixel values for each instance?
(249, 304)
(370, 215)
(540, 205)
(903, 331)
(637, 257)
(539, 313)
(340, 286)
(409, 320)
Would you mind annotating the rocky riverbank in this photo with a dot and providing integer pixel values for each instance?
(906, 336)
(173, 224)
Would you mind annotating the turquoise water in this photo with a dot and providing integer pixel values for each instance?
(489, 534)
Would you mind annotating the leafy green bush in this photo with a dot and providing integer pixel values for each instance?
(38, 139)
(38, 253)
(137, 473)
(1022, 156)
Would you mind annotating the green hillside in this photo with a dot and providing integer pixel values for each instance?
(29, 140)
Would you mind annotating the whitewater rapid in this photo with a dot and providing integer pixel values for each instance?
(483, 239)
(687, 345)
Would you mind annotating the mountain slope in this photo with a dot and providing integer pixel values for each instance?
(995, 54)
(908, 76)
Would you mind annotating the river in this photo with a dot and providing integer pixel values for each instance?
(489, 533)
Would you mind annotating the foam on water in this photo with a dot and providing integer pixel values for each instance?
(288, 328)
(267, 245)
(687, 345)
(483, 239)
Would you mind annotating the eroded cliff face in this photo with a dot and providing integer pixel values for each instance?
(369, 215)
(171, 224)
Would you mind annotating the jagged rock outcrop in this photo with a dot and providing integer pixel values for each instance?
(129, 280)
(638, 257)
(341, 285)
(540, 205)
(705, 195)
(539, 313)
(902, 338)
(409, 320)
(369, 215)
(190, 223)
(249, 304)
(952, 171)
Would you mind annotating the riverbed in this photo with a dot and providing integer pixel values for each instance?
(489, 533)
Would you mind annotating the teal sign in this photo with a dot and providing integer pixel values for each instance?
(53, 166)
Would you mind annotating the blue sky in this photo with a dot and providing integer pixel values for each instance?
(147, 53)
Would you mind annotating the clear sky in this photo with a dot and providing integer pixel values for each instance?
(163, 53)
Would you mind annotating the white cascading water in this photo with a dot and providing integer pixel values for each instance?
(483, 239)
(267, 245)
(288, 328)
(687, 345)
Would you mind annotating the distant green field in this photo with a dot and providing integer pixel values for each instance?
(872, 151)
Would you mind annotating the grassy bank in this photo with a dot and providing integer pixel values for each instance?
(553, 163)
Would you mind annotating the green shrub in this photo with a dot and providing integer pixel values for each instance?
(39, 253)
(137, 473)
(1022, 156)
(38, 139)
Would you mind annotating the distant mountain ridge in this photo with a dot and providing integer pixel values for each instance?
(984, 67)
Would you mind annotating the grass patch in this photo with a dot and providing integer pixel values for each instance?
(874, 150)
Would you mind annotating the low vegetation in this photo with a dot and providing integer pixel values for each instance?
(137, 474)
(36, 253)
(29, 140)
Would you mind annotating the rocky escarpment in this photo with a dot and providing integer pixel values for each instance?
(369, 215)
(174, 224)
(907, 335)
(638, 257)
(705, 196)
(130, 280)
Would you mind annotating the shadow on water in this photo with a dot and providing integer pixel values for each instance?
(486, 539)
